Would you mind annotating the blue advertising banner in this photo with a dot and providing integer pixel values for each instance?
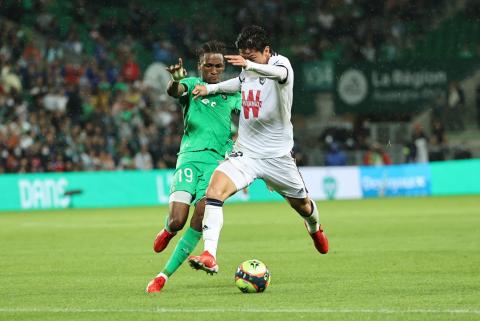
(395, 180)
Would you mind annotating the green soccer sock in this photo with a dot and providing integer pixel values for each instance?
(184, 248)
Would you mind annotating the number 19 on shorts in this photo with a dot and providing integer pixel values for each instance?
(185, 174)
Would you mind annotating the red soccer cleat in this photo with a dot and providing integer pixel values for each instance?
(162, 240)
(205, 262)
(157, 284)
(320, 240)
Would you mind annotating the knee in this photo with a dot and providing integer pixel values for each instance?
(216, 193)
(303, 207)
(175, 223)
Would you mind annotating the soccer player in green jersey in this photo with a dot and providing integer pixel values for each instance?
(206, 139)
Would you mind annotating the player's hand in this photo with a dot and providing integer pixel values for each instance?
(199, 91)
(236, 60)
(177, 71)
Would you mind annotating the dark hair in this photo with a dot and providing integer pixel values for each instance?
(252, 37)
(212, 46)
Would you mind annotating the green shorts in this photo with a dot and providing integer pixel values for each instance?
(193, 172)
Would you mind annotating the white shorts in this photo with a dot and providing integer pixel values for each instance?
(280, 173)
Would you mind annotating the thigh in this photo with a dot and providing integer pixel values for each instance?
(197, 170)
(240, 170)
(186, 178)
(207, 170)
(282, 174)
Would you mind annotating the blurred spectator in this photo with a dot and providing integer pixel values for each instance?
(461, 152)
(420, 144)
(131, 70)
(438, 143)
(106, 160)
(73, 42)
(335, 156)
(163, 51)
(466, 52)
(376, 156)
(74, 104)
(417, 148)
(10, 80)
(31, 53)
(55, 100)
(143, 159)
(368, 50)
(52, 51)
(439, 109)
(456, 103)
(72, 74)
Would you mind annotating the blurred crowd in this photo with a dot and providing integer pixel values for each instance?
(320, 29)
(98, 115)
(343, 147)
(95, 111)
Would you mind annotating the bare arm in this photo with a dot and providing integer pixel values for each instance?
(175, 89)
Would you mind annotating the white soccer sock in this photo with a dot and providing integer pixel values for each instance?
(312, 220)
(212, 225)
(164, 275)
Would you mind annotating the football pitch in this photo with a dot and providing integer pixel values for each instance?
(390, 259)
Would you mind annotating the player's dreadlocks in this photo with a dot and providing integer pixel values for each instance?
(252, 37)
(212, 46)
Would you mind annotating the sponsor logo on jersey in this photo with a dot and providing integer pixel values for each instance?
(207, 102)
(262, 80)
(251, 102)
(224, 96)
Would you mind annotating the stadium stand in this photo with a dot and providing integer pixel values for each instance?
(72, 96)
(62, 116)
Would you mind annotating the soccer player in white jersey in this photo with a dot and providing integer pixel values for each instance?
(264, 143)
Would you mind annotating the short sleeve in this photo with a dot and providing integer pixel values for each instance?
(189, 83)
(237, 99)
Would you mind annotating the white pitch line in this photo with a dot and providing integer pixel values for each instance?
(243, 310)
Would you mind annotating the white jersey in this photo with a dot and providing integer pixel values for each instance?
(265, 129)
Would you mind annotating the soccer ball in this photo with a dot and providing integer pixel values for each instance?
(252, 276)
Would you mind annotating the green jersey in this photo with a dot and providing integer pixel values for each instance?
(207, 120)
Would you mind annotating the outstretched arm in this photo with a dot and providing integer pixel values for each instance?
(228, 86)
(279, 73)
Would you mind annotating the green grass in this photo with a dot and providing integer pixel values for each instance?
(390, 259)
